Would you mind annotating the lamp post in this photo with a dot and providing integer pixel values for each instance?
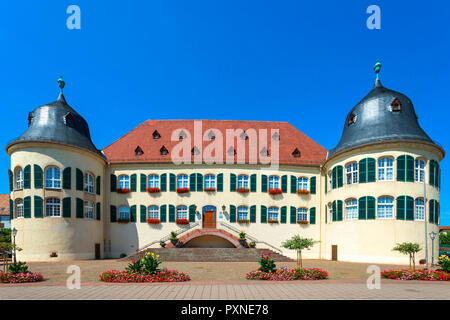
(14, 233)
(432, 236)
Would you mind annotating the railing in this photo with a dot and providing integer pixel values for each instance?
(248, 236)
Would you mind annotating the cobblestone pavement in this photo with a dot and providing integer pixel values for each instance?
(233, 291)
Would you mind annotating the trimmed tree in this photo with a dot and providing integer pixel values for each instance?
(409, 248)
(297, 243)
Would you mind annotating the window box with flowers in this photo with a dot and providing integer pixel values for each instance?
(153, 190)
(302, 191)
(275, 191)
(123, 220)
(243, 221)
(243, 190)
(182, 190)
(302, 222)
(153, 221)
(182, 221)
(210, 189)
(272, 220)
(123, 190)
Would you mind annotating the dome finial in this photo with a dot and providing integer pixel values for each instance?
(377, 68)
(61, 83)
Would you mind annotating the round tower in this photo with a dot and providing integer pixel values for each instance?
(56, 189)
(382, 182)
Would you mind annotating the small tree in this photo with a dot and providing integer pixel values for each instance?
(299, 244)
(444, 237)
(409, 248)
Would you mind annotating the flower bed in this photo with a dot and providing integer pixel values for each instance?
(182, 221)
(243, 190)
(123, 190)
(182, 190)
(419, 274)
(161, 276)
(285, 274)
(153, 221)
(20, 277)
(302, 191)
(275, 191)
(153, 190)
(210, 189)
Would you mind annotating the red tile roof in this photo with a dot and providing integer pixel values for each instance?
(444, 228)
(124, 149)
(4, 204)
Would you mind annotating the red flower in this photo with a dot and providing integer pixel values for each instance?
(275, 191)
(182, 221)
(210, 189)
(302, 191)
(243, 190)
(182, 190)
(153, 221)
(153, 190)
(123, 190)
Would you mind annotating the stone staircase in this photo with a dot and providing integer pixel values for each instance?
(209, 254)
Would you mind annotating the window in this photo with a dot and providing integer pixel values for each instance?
(124, 213)
(195, 151)
(385, 169)
(153, 212)
(273, 213)
(156, 134)
(181, 212)
(242, 212)
(89, 210)
(351, 209)
(420, 210)
(19, 208)
(351, 118)
(302, 214)
(244, 136)
(264, 152)
(330, 209)
(163, 150)
(19, 178)
(52, 178)
(330, 181)
(52, 207)
(210, 181)
(302, 183)
(352, 173)
(138, 151)
(124, 182)
(182, 135)
(89, 183)
(274, 182)
(243, 181)
(182, 181)
(231, 151)
(296, 153)
(385, 208)
(396, 105)
(153, 181)
(419, 172)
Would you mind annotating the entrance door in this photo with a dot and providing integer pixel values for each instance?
(97, 251)
(209, 219)
(334, 252)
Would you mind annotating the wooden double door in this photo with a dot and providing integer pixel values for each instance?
(209, 219)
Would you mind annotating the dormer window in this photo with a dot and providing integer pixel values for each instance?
(163, 150)
(211, 135)
(244, 136)
(231, 151)
(264, 151)
(296, 153)
(195, 151)
(156, 134)
(351, 118)
(276, 136)
(138, 151)
(30, 118)
(69, 120)
(396, 105)
(182, 135)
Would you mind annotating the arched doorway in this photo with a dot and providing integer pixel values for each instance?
(208, 241)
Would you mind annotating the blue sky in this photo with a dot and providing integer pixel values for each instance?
(306, 62)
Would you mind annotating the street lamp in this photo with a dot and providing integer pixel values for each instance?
(14, 233)
(432, 236)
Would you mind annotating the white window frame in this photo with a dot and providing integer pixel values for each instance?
(182, 181)
(52, 207)
(181, 212)
(89, 211)
(419, 170)
(243, 181)
(385, 208)
(419, 210)
(351, 170)
(242, 213)
(330, 181)
(210, 181)
(302, 214)
(52, 178)
(153, 212)
(385, 169)
(124, 181)
(272, 213)
(19, 178)
(153, 181)
(351, 209)
(274, 182)
(302, 183)
(19, 208)
(124, 213)
(89, 183)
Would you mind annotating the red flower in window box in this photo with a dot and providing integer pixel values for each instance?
(182, 221)
(210, 189)
(302, 191)
(153, 190)
(275, 191)
(123, 190)
(243, 221)
(272, 221)
(243, 190)
(302, 222)
(153, 221)
(182, 190)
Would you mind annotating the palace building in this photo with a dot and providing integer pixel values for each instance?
(376, 188)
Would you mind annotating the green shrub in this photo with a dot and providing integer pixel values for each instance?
(267, 264)
(444, 263)
(147, 264)
(18, 267)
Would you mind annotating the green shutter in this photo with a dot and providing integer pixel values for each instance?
(143, 210)
(163, 213)
(293, 184)
(133, 213)
(133, 182)
(220, 182)
(67, 178)
(113, 183)
(339, 210)
(38, 207)
(171, 213)
(340, 175)
(401, 208)
(27, 177)
(334, 178)
(401, 164)
(232, 182)
(253, 183)
(199, 182)
(263, 183)
(113, 213)
(371, 170)
(143, 182)
(312, 215)
(11, 179)
(38, 179)
(431, 212)
(79, 208)
(334, 217)
(437, 212)
(283, 215)
(27, 207)
(362, 204)
(79, 180)
(264, 213)
(362, 167)
(370, 208)
(66, 207)
(284, 184)
(253, 214)
(192, 213)
(431, 173)
(172, 182)
(409, 168)
(98, 211)
(293, 215)
(98, 185)
(192, 182)
(163, 182)
(313, 185)
(409, 208)
(11, 209)
(232, 213)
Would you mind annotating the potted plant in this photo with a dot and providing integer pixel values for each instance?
(242, 239)
(243, 221)
(272, 220)
(252, 244)
(173, 238)
(162, 244)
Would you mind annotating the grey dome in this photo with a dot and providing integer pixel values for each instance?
(374, 121)
(58, 122)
